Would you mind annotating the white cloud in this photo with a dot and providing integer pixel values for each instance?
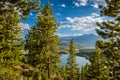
(76, 4)
(96, 3)
(95, 14)
(80, 3)
(63, 5)
(64, 35)
(77, 34)
(87, 23)
(52, 4)
(31, 14)
(70, 20)
(58, 14)
(93, 3)
(24, 26)
(83, 2)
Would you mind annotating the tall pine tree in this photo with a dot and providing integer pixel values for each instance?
(97, 70)
(83, 73)
(42, 43)
(72, 66)
(110, 32)
(10, 35)
(9, 29)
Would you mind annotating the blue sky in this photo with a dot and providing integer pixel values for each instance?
(77, 17)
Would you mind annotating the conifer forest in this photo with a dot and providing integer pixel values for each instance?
(37, 55)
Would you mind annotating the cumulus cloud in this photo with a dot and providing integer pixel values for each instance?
(86, 23)
(95, 14)
(70, 20)
(58, 14)
(52, 4)
(80, 3)
(63, 5)
(64, 35)
(24, 26)
(94, 3)
(98, 1)
(76, 4)
(83, 2)
(77, 34)
(31, 14)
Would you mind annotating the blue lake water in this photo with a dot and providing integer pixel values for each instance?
(81, 61)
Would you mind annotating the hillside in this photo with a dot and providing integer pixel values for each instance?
(81, 42)
(84, 41)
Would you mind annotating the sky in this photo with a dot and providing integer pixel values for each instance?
(76, 17)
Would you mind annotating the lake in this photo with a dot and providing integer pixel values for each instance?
(81, 61)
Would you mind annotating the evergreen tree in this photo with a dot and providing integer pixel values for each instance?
(97, 70)
(111, 9)
(72, 66)
(64, 72)
(10, 46)
(10, 40)
(110, 31)
(33, 47)
(42, 43)
(11, 54)
(83, 72)
(23, 7)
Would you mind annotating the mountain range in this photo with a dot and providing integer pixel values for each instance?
(81, 42)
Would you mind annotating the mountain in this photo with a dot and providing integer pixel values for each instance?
(84, 41)
(81, 42)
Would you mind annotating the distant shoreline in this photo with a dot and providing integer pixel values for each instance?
(87, 53)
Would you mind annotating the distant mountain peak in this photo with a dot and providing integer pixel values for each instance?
(85, 39)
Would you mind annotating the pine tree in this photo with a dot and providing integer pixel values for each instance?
(9, 26)
(64, 74)
(83, 72)
(33, 47)
(97, 70)
(72, 66)
(10, 40)
(10, 36)
(111, 9)
(10, 46)
(42, 43)
(110, 31)
(23, 7)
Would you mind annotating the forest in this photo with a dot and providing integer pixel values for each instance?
(38, 57)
